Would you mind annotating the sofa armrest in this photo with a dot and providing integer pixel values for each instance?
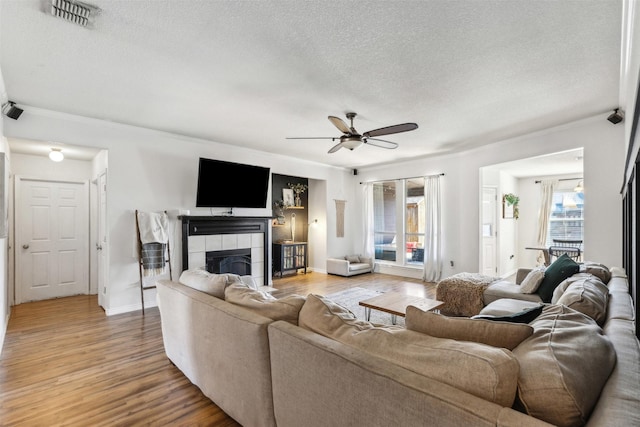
(337, 266)
(521, 274)
(367, 260)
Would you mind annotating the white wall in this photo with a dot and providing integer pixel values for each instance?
(150, 170)
(5, 302)
(603, 165)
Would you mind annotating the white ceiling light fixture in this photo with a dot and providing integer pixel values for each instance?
(56, 155)
(74, 11)
(579, 188)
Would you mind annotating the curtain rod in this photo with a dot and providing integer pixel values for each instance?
(410, 177)
(562, 179)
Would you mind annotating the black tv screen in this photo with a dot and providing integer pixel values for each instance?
(231, 185)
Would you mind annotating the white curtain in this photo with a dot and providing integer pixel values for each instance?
(547, 187)
(367, 197)
(433, 230)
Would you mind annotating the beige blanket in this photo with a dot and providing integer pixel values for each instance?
(462, 293)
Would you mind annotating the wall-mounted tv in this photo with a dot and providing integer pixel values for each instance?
(231, 185)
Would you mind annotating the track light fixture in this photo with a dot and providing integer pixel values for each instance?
(10, 110)
(616, 117)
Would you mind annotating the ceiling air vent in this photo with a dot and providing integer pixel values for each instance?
(74, 11)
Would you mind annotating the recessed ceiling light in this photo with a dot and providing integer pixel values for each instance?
(56, 155)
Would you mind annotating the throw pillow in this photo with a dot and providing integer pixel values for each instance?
(588, 295)
(563, 367)
(601, 271)
(559, 270)
(524, 316)
(484, 371)
(265, 304)
(353, 258)
(202, 280)
(531, 283)
(496, 334)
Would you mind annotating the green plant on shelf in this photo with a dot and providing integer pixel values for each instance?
(513, 200)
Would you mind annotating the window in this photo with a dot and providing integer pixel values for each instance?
(566, 221)
(414, 221)
(399, 221)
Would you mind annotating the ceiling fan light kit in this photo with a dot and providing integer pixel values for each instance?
(351, 139)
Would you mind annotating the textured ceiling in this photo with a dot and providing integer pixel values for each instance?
(252, 73)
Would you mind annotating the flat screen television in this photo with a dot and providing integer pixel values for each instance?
(231, 185)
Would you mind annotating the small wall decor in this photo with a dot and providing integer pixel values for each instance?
(298, 189)
(340, 205)
(287, 197)
(510, 206)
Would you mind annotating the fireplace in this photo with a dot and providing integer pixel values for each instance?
(231, 244)
(237, 261)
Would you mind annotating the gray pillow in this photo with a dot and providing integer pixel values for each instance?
(265, 304)
(589, 296)
(563, 366)
(202, 280)
(532, 281)
(353, 258)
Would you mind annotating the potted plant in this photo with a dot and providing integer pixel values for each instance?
(298, 188)
(512, 200)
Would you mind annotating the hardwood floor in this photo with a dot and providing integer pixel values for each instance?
(64, 362)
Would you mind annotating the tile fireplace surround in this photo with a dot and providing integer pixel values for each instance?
(202, 234)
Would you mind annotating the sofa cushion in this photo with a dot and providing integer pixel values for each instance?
(359, 266)
(531, 282)
(586, 294)
(210, 283)
(563, 366)
(484, 371)
(265, 304)
(506, 289)
(496, 334)
(559, 270)
(352, 258)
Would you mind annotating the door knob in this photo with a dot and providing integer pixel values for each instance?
(25, 246)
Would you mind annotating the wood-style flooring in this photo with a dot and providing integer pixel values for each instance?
(64, 362)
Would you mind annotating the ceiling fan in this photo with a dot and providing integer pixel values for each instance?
(352, 139)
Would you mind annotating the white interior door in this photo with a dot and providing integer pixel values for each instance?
(489, 235)
(52, 236)
(102, 239)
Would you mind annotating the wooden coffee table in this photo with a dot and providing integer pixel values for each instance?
(396, 304)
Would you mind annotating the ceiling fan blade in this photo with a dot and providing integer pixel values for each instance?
(405, 127)
(335, 148)
(312, 137)
(340, 124)
(380, 143)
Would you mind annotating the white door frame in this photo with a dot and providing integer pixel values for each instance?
(18, 179)
(102, 239)
(494, 232)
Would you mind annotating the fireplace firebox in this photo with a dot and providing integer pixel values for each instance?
(237, 261)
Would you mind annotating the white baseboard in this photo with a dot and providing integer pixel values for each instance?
(396, 270)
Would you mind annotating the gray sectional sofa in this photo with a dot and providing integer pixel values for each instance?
(264, 367)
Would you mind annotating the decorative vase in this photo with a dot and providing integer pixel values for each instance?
(298, 200)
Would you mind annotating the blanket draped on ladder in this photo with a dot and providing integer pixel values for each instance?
(153, 227)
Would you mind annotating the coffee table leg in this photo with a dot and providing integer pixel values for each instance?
(367, 313)
(393, 319)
